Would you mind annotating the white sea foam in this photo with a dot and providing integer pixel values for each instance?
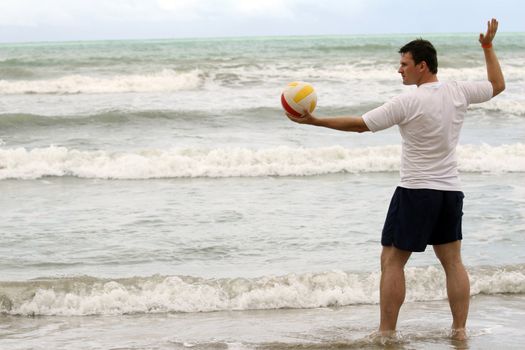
(21, 163)
(91, 296)
(224, 87)
(515, 106)
(268, 75)
(165, 80)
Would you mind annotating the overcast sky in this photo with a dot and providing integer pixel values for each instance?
(57, 20)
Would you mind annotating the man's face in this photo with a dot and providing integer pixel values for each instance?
(410, 72)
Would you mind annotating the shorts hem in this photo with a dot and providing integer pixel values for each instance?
(407, 249)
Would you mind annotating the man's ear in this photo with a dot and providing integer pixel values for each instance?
(422, 66)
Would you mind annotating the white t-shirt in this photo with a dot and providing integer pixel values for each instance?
(429, 119)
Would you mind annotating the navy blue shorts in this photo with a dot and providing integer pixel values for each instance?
(418, 217)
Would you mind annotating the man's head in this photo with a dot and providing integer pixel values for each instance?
(418, 62)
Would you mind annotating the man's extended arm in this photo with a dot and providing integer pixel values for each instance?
(494, 73)
(349, 123)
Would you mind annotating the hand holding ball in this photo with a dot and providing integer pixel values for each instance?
(298, 97)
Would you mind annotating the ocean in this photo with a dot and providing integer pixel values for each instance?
(155, 196)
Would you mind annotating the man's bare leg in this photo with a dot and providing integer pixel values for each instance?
(392, 287)
(458, 285)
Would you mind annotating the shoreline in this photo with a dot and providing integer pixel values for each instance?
(495, 322)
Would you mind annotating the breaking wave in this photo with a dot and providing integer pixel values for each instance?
(159, 294)
(21, 163)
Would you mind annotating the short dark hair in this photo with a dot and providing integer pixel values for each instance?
(422, 50)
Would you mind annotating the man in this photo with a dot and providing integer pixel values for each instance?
(426, 207)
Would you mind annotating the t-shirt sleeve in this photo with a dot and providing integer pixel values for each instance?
(385, 116)
(476, 92)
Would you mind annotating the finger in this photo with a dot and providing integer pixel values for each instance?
(492, 31)
(487, 33)
(294, 118)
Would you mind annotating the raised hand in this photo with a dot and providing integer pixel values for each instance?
(492, 28)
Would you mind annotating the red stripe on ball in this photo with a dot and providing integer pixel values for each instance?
(288, 108)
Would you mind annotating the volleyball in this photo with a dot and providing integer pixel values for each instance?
(298, 97)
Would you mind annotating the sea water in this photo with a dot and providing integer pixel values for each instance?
(154, 196)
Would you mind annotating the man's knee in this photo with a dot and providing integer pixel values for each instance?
(392, 257)
(449, 254)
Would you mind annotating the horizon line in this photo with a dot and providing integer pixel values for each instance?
(242, 37)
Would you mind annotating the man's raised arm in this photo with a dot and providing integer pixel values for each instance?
(494, 73)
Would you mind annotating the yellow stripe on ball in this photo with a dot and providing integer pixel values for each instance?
(305, 91)
(312, 106)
